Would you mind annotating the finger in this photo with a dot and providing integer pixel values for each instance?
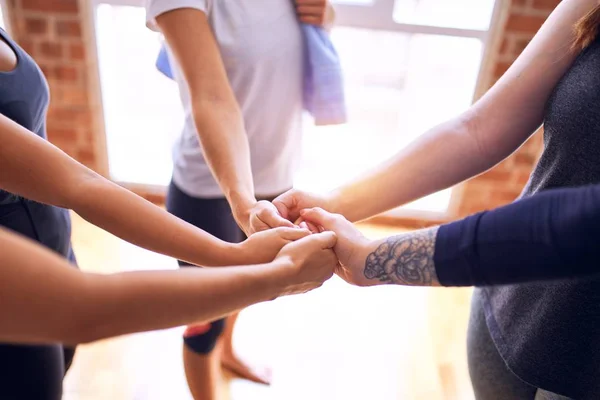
(311, 20)
(320, 3)
(313, 10)
(319, 217)
(325, 239)
(292, 234)
(312, 227)
(285, 203)
(273, 219)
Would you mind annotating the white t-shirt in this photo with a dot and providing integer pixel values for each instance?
(262, 50)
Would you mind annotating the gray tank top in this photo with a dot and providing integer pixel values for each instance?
(549, 333)
(24, 97)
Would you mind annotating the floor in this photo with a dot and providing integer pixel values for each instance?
(337, 342)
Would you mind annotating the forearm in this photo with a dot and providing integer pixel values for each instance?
(37, 170)
(552, 235)
(140, 222)
(225, 147)
(46, 300)
(406, 259)
(446, 155)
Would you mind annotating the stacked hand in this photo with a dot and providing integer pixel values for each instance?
(307, 263)
(350, 250)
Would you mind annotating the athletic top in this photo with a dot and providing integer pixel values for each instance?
(24, 97)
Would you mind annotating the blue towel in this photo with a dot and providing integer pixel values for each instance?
(323, 84)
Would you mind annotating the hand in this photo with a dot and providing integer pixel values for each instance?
(314, 12)
(307, 263)
(352, 248)
(263, 247)
(260, 216)
(293, 201)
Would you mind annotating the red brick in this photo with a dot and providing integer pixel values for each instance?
(497, 175)
(69, 116)
(71, 96)
(66, 73)
(36, 26)
(68, 28)
(545, 4)
(524, 158)
(77, 52)
(506, 47)
(520, 45)
(524, 23)
(501, 68)
(28, 45)
(504, 196)
(62, 6)
(522, 177)
(51, 50)
(86, 155)
(63, 134)
(46, 70)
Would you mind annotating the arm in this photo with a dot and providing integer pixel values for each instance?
(552, 235)
(37, 170)
(74, 307)
(217, 116)
(485, 134)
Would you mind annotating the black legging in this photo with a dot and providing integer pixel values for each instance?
(215, 217)
(36, 372)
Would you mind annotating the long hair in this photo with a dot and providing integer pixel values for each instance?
(587, 28)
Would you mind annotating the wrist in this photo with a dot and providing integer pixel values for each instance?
(241, 206)
(276, 277)
(227, 254)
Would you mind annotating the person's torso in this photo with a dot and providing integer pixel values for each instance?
(24, 99)
(262, 50)
(549, 333)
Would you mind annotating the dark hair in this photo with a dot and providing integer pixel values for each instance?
(586, 29)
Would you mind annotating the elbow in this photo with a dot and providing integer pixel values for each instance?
(77, 192)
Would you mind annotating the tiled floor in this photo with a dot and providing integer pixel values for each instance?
(338, 342)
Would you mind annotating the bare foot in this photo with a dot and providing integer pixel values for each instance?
(233, 364)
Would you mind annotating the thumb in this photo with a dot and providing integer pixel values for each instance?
(319, 217)
(326, 240)
(284, 203)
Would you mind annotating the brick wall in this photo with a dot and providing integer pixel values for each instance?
(504, 183)
(54, 33)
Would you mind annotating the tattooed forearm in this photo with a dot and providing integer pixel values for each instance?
(405, 259)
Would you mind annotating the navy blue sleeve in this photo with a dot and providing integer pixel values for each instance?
(551, 235)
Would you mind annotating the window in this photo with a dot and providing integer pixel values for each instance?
(142, 110)
(422, 71)
(408, 65)
(2, 24)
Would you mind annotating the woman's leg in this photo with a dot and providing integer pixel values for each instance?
(232, 362)
(490, 377)
(201, 347)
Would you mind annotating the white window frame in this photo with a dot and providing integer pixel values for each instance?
(379, 15)
(5, 14)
